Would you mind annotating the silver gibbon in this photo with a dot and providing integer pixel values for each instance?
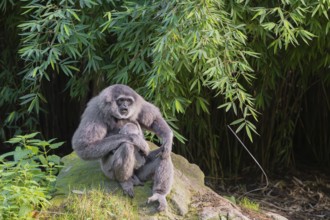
(100, 136)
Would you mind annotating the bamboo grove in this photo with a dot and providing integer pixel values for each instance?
(261, 67)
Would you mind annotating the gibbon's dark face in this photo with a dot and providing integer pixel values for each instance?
(125, 105)
(119, 101)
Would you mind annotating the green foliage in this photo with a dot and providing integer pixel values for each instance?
(173, 49)
(294, 40)
(27, 177)
(13, 119)
(6, 3)
(206, 64)
(58, 38)
(192, 45)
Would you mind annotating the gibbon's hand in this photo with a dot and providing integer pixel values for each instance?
(140, 143)
(166, 150)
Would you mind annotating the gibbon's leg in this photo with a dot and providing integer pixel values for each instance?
(123, 166)
(163, 180)
(140, 159)
(107, 164)
(147, 171)
(162, 172)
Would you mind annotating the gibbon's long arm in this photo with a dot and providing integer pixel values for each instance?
(90, 141)
(151, 119)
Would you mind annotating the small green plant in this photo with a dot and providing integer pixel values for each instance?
(248, 204)
(231, 198)
(93, 204)
(27, 176)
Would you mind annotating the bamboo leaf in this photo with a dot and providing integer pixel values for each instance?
(249, 133)
(238, 121)
(240, 127)
(74, 14)
(67, 31)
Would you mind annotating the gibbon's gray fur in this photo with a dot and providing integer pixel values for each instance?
(99, 136)
(161, 170)
(140, 159)
(112, 165)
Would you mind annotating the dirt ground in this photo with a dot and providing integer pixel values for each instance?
(299, 195)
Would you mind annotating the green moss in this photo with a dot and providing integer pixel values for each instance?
(246, 203)
(92, 204)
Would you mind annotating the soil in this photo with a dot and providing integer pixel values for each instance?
(298, 195)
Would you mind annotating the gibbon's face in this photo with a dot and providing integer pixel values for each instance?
(124, 106)
(118, 101)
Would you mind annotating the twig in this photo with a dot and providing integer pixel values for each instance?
(255, 160)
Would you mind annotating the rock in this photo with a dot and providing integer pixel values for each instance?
(189, 198)
(275, 216)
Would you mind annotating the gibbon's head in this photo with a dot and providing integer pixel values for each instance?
(119, 101)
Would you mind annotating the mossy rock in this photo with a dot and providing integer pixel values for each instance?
(189, 198)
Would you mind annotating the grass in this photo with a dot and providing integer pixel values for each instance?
(248, 204)
(95, 204)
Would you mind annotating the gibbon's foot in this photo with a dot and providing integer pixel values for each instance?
(127, 187)
(161, 199)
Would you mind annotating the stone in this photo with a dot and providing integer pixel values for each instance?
(189, 198)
